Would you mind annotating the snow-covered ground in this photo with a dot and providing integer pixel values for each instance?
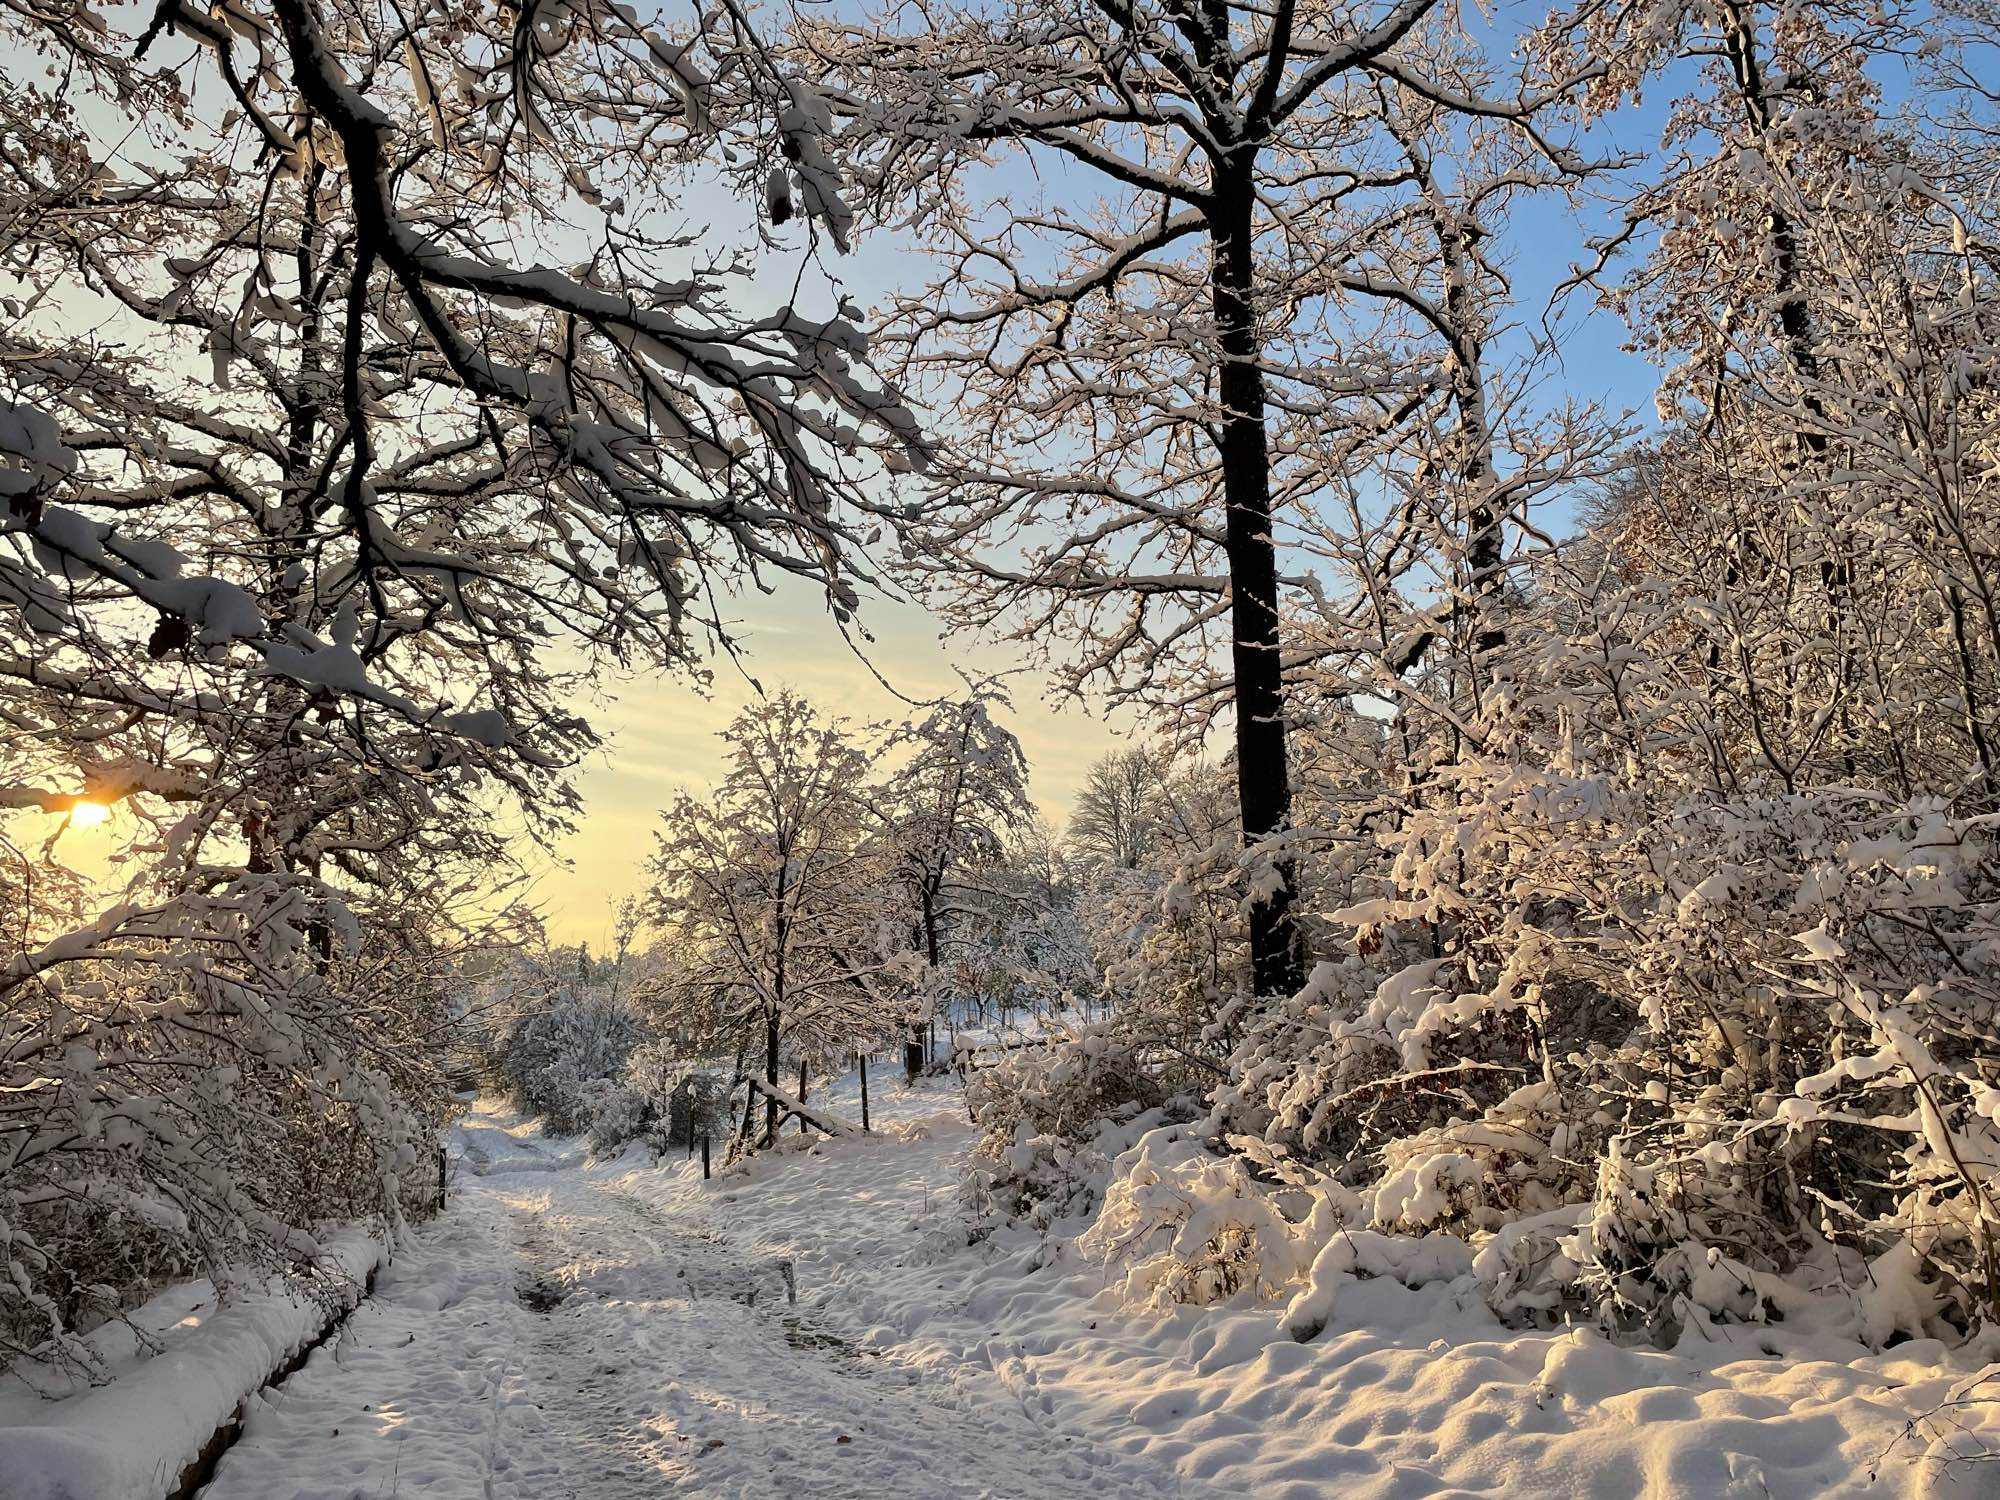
(1407, 1393)
(612, 1331)
(170, 1373)
(626, 1329)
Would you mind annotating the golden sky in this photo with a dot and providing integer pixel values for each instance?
(661, 735)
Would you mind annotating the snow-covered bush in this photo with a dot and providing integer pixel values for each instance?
(565, 1059)
(1185, 1225)
(177, 1108)
(1050, 1118)
(1804, 983)
(601, 1054)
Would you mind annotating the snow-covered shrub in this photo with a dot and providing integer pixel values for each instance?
(1727, 1026)
(177, 1106)
(564, 1059)
(595, 1057)
(1188, 1226)
(1050, 1117)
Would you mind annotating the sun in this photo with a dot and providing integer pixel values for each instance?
(88, 814)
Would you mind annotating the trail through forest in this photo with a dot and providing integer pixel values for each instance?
(553, 1336)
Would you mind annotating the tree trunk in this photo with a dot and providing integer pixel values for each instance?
(916, 1051)
(1263, 784)
(1485, 557)
(770, 1077)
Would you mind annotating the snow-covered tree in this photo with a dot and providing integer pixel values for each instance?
(767, 887)
(946, 812)
(1675, 973)
(1117, 809)
(1145, 368)
(310, 456)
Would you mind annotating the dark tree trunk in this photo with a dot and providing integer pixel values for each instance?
(916, 1051)
(1263, 782)
(1739, 34)
(770, 1076)
(1485, 539)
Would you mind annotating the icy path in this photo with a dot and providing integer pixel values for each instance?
(556, 1335)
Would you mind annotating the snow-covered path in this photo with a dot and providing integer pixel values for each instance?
(554, 1335)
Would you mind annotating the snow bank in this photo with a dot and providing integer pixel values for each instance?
(129, 1439)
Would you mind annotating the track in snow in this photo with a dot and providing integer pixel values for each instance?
(551, 1337)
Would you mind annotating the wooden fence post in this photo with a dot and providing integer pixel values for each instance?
(864, 1091)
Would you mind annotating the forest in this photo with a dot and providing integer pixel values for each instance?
(1549, 860)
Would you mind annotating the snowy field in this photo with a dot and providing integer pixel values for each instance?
(815, 1324)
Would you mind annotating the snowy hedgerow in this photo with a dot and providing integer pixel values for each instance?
(178, 1105)
(1743, 1026)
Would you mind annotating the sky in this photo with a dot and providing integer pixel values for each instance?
(661, 736)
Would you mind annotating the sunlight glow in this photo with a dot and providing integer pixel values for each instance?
(88, 814)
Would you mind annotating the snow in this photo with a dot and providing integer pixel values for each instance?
(578, 1328)
(568, 1330)
(34, 439)
(485, 726)
(1411, 1390)
(132, 1436)
(814, 1320)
